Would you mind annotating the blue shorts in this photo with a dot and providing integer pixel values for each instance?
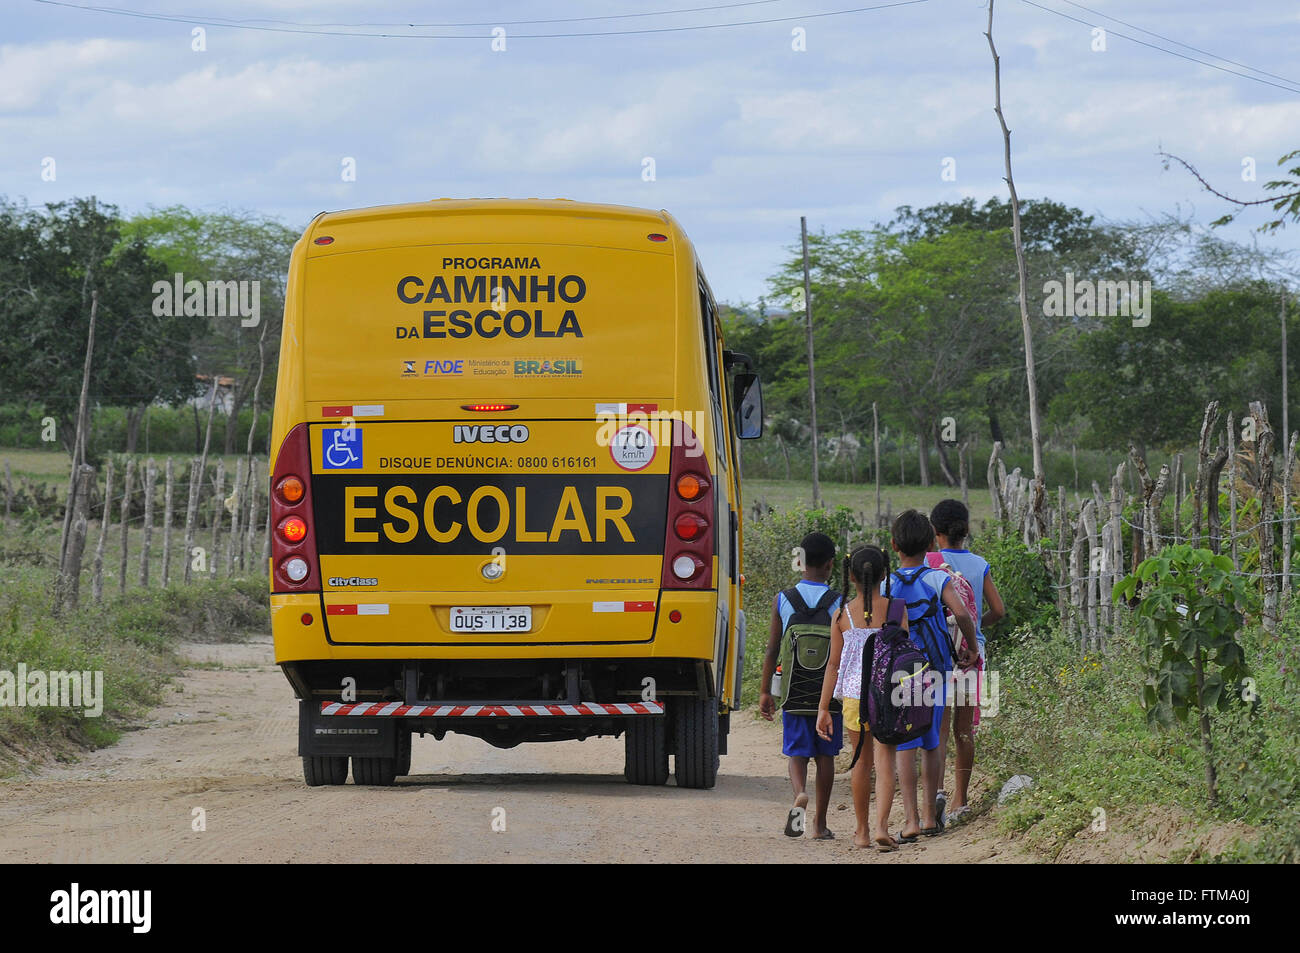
(799, 738)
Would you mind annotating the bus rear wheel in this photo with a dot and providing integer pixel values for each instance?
(695, 749)
(374, 771)
(324, 770)
(645, 753)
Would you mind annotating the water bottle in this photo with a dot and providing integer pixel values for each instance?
(776, 683)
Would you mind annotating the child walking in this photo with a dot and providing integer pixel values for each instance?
(951, 522)
(800, 740)
(868, 567)
(927, 593)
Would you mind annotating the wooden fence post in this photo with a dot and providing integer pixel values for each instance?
(1264, 461)
(146, 543)
(168, 515)
(218, 487)
(1232, 492)
(98, 584)
(1286, 521)
(71, 581)
(1091, 581)
(191, 513)
(126, 526)
(235, 505)
(9, 491)
(1208, 423)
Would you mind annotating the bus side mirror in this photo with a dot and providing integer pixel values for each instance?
(749, 406)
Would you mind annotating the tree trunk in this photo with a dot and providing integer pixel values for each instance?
(133, 417)
(944, 466)
(995, 491)
(1207, 747)
(1031, 378)
(923, 456)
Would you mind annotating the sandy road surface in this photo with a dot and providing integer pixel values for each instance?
(224, 740)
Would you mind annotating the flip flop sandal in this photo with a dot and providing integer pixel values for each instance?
(793, 822)
(932, 831)
(903, 839)
(827, 836)
(886, 848)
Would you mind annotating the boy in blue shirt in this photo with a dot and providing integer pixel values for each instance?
(927, 594)
(800, 740)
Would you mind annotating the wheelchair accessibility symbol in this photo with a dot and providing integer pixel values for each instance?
(341, 448)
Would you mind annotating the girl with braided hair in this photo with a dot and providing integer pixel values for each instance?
(869, 569)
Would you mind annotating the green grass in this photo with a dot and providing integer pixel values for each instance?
(52, 467)
(861, 497)
(130, 638)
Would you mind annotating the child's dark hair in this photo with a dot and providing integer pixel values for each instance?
(913, 534)
(868, 566)
(951, 519)
(818, 550)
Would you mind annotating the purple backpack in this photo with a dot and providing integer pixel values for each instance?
(896, 680)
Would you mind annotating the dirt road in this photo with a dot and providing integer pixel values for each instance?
(222, 750)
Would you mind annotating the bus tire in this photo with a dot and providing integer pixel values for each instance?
(645, 753)
(379, 772)
(404, 739)
(320, 770)
(695, 754)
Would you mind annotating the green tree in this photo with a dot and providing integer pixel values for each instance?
(1191, 610)
(227, 246)
(52, 261)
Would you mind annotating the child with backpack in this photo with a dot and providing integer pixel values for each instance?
(853, 654)
(951, 522)
(927, 594)
(800, 636)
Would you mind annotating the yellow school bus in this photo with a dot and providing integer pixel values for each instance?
(505, 491)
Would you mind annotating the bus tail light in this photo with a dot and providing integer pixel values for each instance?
(688, 538)
(293, 539)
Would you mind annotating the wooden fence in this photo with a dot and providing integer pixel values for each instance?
(1083, 537)
(163, 525)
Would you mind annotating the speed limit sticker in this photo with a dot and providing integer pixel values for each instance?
(633, 448)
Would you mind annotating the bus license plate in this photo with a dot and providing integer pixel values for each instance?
(491, 618)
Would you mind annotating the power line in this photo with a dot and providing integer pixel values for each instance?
(172, 18)
(1152, 46)
(1186, 46)
(608, 16)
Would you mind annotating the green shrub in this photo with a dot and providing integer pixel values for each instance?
(1024, 582)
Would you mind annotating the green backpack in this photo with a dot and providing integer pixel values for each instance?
(805, 650)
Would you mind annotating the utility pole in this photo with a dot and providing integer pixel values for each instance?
(1286, 429)
(812, 385)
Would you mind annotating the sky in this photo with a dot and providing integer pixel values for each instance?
(736, 130)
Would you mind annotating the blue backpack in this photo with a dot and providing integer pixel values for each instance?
(925, 617)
